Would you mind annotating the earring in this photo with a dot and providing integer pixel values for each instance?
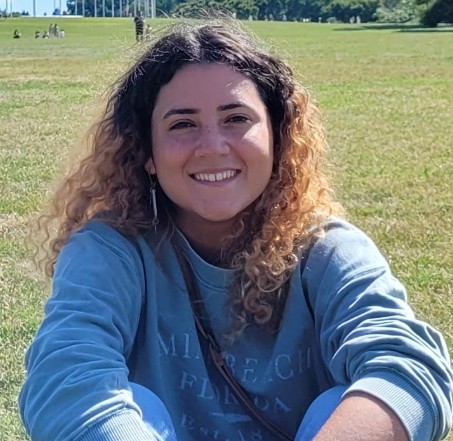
(153, 202)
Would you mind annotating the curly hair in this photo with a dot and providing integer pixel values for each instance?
(269, 237)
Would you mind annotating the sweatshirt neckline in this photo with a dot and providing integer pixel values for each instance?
(211, 275)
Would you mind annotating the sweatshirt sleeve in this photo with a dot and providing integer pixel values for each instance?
(76, 386)
(369, 336)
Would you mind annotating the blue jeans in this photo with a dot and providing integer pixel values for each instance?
(158, 418)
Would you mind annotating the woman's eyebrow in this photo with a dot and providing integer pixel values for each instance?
(192, 111)
(183, 111)
(231, 106)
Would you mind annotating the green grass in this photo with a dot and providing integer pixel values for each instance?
(387, 98)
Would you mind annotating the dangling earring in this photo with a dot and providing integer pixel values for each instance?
(152, 200)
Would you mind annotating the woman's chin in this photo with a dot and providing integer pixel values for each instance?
(219, 217)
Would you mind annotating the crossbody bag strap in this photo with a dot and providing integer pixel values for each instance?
(216, 355)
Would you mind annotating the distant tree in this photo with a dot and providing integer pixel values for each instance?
(343, 10)
(397, 11)
(303, 9)
(166, 7)
(274, 9)
(439, 11)
(89, 7)
(260, 9)
(291, 9)
(241, 8)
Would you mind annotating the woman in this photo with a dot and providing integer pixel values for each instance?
(204, 287)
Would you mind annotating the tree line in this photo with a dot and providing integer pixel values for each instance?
(426, 12)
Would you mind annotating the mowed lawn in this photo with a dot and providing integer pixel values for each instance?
(387, 97)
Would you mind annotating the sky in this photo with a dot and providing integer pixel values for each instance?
(42, 6)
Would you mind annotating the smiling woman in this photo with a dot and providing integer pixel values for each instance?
(204, 285)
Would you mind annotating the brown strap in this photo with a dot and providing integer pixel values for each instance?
(216, 356)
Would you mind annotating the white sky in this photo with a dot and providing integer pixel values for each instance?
(27, 5)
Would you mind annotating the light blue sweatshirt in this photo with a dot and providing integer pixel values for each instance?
(120, 312)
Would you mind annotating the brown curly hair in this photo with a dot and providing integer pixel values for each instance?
(268, 238)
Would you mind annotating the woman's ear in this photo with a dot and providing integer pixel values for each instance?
(149, 166)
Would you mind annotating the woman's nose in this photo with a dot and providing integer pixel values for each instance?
(212, 142)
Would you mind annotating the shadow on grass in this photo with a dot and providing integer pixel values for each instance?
(396, 28)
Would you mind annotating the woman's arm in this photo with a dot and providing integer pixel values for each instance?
(362, 417)
(77, 385)
(371, 340)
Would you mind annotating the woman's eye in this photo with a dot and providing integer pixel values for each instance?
(181, 125)
(238, 119)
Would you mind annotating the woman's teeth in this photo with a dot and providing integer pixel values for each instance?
(214, 177)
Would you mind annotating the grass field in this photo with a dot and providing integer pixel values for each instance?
(387, 98)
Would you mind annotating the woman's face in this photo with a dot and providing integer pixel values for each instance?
(212, 143)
